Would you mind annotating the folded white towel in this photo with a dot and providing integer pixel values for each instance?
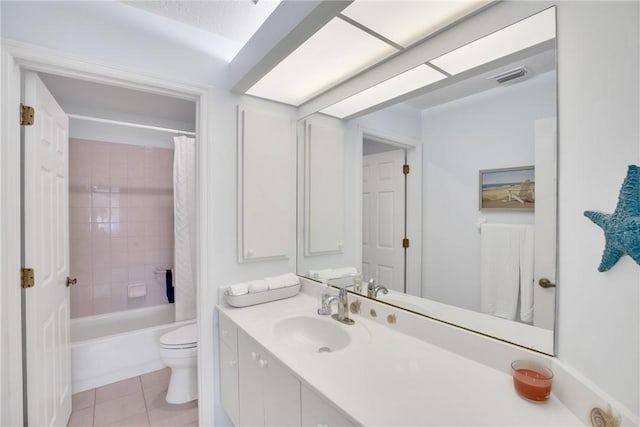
(344, 272)
(332, 273)
(258, 286)
(238, 289)
(282, 281)
(317, 274)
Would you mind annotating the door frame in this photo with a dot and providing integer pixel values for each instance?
(16, 58)
(413, 210)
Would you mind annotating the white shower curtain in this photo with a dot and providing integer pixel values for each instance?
(184, 228)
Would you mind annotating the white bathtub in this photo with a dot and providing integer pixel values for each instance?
(115, 346)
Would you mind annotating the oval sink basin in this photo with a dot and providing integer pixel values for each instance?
(312, 334)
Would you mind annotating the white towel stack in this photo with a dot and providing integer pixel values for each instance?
(262, 285)
(238, 289)
(332, 273)
(282, 281)
(258, 286)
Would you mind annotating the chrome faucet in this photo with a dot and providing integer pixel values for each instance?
(325, 308)
(343, 306)
(372, 289)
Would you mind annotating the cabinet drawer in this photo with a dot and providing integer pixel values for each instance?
(228, 332)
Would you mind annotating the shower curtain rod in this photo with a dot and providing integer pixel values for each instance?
(134, 125)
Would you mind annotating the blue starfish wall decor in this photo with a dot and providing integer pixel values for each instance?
(622, 228)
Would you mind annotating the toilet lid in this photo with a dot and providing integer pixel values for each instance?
(187, 335)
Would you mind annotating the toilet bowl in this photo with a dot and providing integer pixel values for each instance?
(179, 351)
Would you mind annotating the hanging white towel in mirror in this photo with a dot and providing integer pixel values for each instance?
(506, 270)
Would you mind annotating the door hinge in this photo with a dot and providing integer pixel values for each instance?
(405, 243)
(26, 115)
(405, 169)
(27, 278)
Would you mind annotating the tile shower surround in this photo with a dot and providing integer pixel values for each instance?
(120, 224)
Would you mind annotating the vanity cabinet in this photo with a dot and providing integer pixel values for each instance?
(317, 412)
(269, 394)
(257, 390)
(229, 368)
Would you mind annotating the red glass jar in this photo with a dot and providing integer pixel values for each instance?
(532, 380)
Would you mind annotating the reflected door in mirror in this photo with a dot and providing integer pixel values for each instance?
(383, 218)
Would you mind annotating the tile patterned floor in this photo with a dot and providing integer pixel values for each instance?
(135, 402)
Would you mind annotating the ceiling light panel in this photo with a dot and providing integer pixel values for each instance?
(338, 51)
(406, 22)
(526, 33)
(406, 82)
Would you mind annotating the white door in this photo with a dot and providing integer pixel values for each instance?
(544, 300)
(383, 219)
(46, 243)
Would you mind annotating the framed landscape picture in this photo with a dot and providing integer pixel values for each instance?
(508, 188)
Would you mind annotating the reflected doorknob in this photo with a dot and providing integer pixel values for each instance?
(71, 282)
(546, 283)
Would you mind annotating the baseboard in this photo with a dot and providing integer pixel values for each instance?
(115, 376)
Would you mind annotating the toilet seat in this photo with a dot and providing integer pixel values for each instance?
(181, 338)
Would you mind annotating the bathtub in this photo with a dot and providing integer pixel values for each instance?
(111, 347)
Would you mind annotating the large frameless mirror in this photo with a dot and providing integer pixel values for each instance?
(438, 186)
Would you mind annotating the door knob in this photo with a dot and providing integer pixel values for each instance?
(71, 282)
(546, 283)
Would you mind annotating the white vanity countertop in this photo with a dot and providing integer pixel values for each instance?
(387, 378)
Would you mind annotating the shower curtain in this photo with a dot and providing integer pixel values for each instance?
(184, 227)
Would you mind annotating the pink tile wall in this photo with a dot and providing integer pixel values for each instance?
(121, 224)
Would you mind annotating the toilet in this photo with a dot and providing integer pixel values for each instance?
(179, 351)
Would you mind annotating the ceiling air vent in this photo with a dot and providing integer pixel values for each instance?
(509, 75)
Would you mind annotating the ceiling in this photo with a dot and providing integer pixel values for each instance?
(366, 36)
(535, 65)
(353, 41)
(236, 20)
(362, 35)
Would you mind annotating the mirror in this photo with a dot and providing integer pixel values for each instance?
(466, 236)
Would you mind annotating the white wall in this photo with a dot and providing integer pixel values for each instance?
(493, 129)
(599, 133)
(400, 121)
